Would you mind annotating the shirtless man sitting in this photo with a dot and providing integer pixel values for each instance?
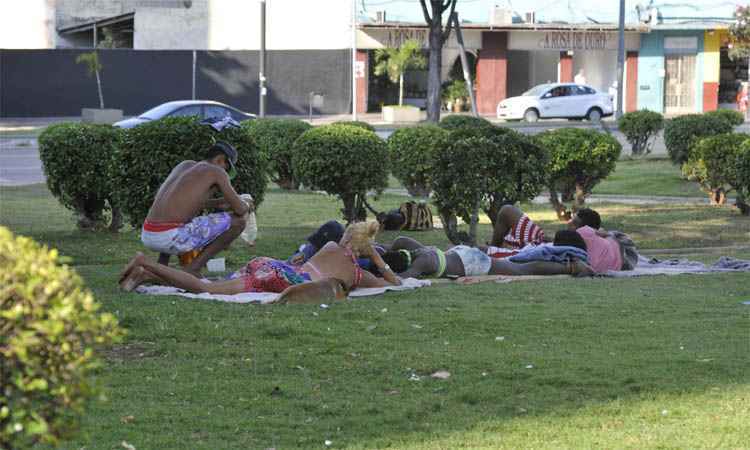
(173, 226)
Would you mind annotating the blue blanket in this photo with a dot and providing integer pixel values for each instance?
(548, 252)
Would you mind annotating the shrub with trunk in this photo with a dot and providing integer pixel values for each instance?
(681, 132)
(275, 139)
(639, 128)
(411, 152)
(712, 164)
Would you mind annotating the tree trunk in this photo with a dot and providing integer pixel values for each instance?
(434, 66)
(742, 206)
(349, 206)
(117, 220)
(401, 89)
(473, 223)
(580, 198)
(718, 196)
(450, 226)
(562, 212)
(99, 87)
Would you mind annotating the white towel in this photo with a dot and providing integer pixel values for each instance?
(267, 297)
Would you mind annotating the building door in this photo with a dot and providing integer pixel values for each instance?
(679, 78)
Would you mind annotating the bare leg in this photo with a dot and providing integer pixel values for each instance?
(217, 245)
(144, 269)
(505, 267)
(507, 218)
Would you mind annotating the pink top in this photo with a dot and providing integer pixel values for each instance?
(604, 253)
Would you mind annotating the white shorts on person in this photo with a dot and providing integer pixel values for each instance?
(475, 261)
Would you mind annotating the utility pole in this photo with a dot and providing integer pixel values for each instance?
(354, 59)
(464, 63)
(620, 59)
(262, 74)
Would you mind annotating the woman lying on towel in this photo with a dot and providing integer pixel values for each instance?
(567, 256)
(330, 273)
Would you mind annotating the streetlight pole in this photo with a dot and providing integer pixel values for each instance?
(620, 59)
(354, 59)
(262, 74)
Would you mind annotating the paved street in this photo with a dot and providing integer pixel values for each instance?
(19, 162)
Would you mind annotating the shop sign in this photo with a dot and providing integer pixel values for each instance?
(396, 38)
(569, 40)
(681, 43)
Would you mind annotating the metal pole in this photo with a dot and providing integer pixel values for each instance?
(620, 60)
(95, 36)
(195, 58)
(465, 64)
(262, 75)
(354, 59)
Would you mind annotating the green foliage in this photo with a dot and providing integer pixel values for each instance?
(739, 33)
(76, 158)
(356, 123)
(151, 150)
(393, 62)
(477, 169)
(742, 177)
(454, 90)
(712, 164)
(735, 118)
(456, 121)
(639, 127)
(91, 61)
(49, 329)
(411, 155)
(579, 160)
(342, 160)
(681, 132)
(275, 138)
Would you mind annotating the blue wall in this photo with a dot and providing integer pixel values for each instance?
(651, 65)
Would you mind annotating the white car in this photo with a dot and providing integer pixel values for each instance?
(557, 100)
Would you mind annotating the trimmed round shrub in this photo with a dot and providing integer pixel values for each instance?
(639, 127)
(681, 132)
(275, 138)
(579, 160)
(150, 151)
(50, 329)
(356, 123)
(734, 118)
(742, 178)
(712, 164)
(475, 170)
(344, 161)
(459, 121)
(76, 159)
(411, 153)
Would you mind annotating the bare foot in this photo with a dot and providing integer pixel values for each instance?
(136, 261)
(134, 279)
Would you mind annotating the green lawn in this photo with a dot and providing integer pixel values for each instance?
(658, 362)
(648, 177)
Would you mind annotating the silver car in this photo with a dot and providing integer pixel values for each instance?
(203, 109)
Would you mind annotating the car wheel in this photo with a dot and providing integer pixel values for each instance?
(531, 115)
(594, 115)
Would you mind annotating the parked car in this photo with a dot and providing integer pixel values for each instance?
(557, 100)
(204, 109)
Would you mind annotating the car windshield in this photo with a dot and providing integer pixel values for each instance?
(158, 112)
(537, 90)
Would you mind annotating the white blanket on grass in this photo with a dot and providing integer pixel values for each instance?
(267, 297)
(654, 266)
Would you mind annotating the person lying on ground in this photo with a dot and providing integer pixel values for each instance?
(608, 250)
(410, 258)
(173, 225)
(330, 271)
(513, 231)
(331, 231)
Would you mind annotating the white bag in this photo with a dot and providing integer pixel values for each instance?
(250, 233)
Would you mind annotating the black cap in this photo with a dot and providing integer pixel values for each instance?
(231, 154)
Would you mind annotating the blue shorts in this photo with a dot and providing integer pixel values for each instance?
(180, 238)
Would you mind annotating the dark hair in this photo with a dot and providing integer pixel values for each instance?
(589, 217)
(392, 220)
(331, 231)
(570, 238)
(399, 260)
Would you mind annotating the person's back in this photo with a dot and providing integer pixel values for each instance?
(604, 252)
(184, 193)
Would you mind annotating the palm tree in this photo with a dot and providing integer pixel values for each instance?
(395, 61)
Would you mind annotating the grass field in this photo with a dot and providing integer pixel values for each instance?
(659, 362)
(648, 177)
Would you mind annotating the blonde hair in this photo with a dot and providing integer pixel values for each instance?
(362, 235)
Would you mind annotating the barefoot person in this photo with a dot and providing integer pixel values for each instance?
(410, 258)
(328, 273)
(173, 225)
